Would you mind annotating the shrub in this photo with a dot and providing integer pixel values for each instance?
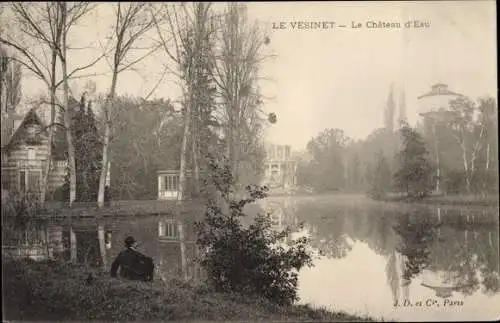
(250, 260)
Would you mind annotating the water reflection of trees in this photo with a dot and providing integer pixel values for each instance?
(488, 258)
(329, 231)
(43, 239)
(462, 244)
(95, 244)
(336, 229)
(417, 232)
(470, 252)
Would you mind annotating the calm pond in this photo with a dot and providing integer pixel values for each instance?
(368, 255)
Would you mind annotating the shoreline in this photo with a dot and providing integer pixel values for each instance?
(118, 209)
(54, 291)
(450, 200)
(145, 208)
(466, 200)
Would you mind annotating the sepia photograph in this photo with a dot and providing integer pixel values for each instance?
(249, 161)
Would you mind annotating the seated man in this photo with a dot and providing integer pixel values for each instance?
(133, 265)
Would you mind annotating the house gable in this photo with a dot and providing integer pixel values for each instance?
(31, 131)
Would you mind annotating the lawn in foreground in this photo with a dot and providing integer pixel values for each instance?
(52, 291)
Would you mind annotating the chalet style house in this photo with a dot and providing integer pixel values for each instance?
(24, 153)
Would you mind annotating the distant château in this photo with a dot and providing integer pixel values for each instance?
(280, 168)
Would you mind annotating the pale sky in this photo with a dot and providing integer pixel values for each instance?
(340, 78)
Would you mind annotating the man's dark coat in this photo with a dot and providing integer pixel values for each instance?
(133, 265)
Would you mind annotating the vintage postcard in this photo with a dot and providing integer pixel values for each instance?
(244, 161)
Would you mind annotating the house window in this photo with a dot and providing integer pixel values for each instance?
(31, 154)
(5, 181)
(168, 229)
(274, 176)
(280, 152)
(171, 182)
(287, 152)
(31, 131)
(29, 180)
(34, 180)
(271, 152)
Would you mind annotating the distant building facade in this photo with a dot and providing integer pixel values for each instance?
(280, 167)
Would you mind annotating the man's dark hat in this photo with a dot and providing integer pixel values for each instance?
(129, 241)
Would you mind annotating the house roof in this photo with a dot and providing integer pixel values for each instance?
(9, 134)
(59, 144)
(8, 138)
(6, 128)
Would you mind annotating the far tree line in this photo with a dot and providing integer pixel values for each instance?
(458, 155)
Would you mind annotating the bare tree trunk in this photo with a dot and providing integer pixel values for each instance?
(466, 170)
(184, 150)
(475, 149)
(472, 169)
(196, 166)
(486, 168)
(182, 169)
(230, 141)
(196, 99)
(465, 162)
(67, 119)
(236, 138)
(236, 154)
(2, 76)
(1, 94)
(48, 163)
(44, 186)
(105, 146)
(183, 251)
(71, 155)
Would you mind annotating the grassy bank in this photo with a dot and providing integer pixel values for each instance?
(116, 209)
(53, 291)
